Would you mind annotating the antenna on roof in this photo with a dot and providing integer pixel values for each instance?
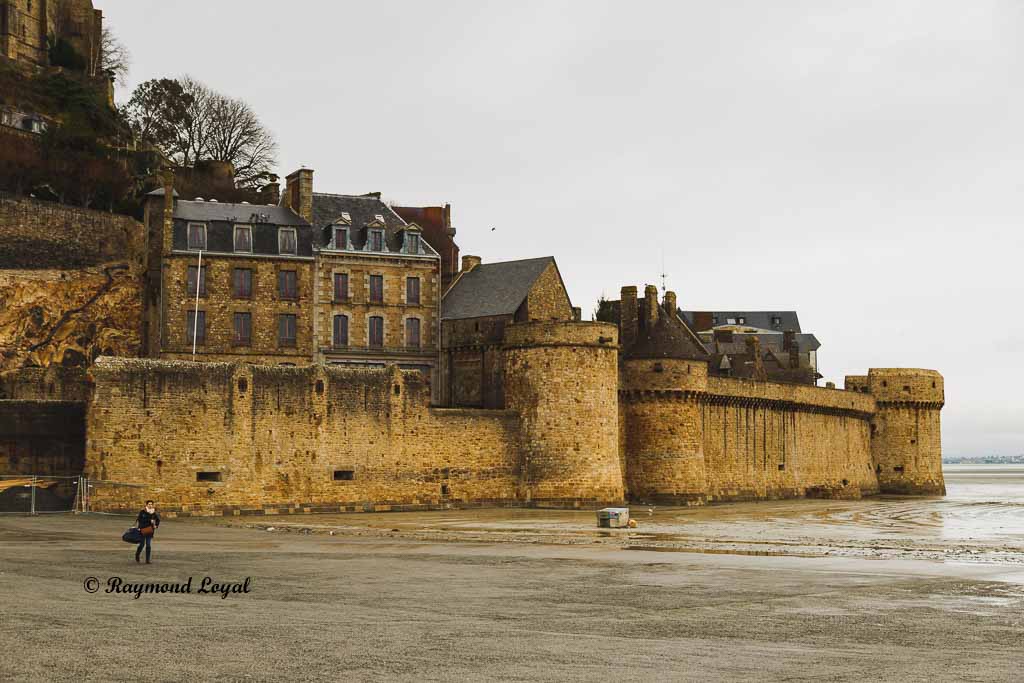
(663, 275)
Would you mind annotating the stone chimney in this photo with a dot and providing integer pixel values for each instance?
(627, 316)
(271, 193)
(168, 223)
(671, 307)
(577, 313)
(754, 351)
(298, 194)
(650, 306)
(470, 262)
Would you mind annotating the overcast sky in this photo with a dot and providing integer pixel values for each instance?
(859, 162)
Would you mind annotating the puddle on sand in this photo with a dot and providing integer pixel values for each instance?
(721, 551)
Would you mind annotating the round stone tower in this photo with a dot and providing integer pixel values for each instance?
(561, 377)
(663, 374)
(906, 441)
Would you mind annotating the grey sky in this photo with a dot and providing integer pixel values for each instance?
(861, 164)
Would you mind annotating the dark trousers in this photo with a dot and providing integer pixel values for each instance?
(146, 541)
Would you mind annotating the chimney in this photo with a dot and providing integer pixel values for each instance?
(470, 262)
(650, 306)
(168, 223)
(271, 193)
(577, 313)
(754, 351)
(627, 316)
(671, 307)
(299, 193)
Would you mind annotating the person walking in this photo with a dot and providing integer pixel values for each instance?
(147, 523)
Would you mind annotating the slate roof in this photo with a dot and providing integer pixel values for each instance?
(249, 214)
(770, 341)
(666, 339)
(362, 210)
(704, 320)
(492, 289)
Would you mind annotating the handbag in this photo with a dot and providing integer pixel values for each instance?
(147, 530)
(132, 536)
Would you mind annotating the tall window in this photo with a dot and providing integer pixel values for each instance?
(376, 331)
(412, 333)
(412, 243)
(341, 286)
(286, 329)
(241, 283)
(287, 284)
(196, 278)
(286, 241)
(190, 328)
(412, 290)
(376, 240)
(243, 238)
(340, 331)
(243, 329)
(376, 289)
(340, 238)
(196, 236)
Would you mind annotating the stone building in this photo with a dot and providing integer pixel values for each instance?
(438, 231)
(377, 281)
(28, 26)
(251, 297)
(481, 303)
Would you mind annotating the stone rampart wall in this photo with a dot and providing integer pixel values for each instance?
(216, 437)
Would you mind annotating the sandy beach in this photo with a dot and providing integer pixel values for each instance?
(879, 589)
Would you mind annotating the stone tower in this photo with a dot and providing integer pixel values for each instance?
(561, 376)
(663, 374)
(906, 441)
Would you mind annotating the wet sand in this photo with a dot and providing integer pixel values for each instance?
(528, 595)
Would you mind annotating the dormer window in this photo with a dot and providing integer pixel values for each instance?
(376, 240)
(776, 320)
(741, 320)
(196, 236)
(412, 243)
(341, 238)
(243, 239)
(287, 241)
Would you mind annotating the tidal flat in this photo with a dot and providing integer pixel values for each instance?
(877, 589)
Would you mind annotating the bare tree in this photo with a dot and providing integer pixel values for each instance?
(203, 125)
(113, 58)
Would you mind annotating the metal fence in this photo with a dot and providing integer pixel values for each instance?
(31, 494)
(37, 494)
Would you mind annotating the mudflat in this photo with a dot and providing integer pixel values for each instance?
(515, 595)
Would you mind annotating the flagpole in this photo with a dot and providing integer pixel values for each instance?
(195, 316)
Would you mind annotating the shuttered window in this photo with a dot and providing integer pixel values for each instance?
(376, 331)
(340, 331)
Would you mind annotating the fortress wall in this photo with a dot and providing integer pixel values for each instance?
(313, 438)
(45, 384)
(766, 440)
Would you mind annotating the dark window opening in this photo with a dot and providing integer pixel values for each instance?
(906, 387)
(288, 284)
(243, 238)
(782, 467)
(412, 333)
(377, 289)
(241, 283)
(340, 331)
(195, 277)
(445, 490)
(898, 469)
(243, 385)
(319, 386)
(884, 383)
(208, 476)
(286, 330)
(344, 475)
(398, 390)
(846, 482)
(341, 286)
(195, 333)
(412, 290)
(376, 331)
(243, 329)
(913, 441)
(286, 241)
(196, 236)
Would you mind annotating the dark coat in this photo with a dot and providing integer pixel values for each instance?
(146, 519)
